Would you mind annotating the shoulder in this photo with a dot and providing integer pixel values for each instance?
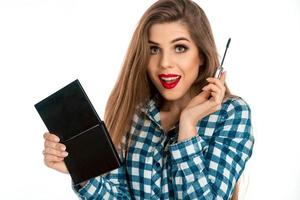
(235, 114)
(236, 106)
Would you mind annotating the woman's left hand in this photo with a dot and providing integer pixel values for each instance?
(207, 102)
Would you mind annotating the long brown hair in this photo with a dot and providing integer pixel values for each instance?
(133, 87)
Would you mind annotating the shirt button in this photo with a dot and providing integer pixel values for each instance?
(157, 165)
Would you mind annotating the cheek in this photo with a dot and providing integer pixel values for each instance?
(191, 66)
(152, 63)
(151, 71)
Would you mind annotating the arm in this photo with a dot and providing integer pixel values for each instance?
(210, 172)
(112, 185)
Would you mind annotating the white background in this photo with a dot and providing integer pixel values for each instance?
(46, 44)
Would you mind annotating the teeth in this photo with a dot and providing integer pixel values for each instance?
(169, 79)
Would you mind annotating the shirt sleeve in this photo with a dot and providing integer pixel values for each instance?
(210, 171)
(112, 185)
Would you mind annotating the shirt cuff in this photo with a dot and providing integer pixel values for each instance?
(85, 191)
(186, 150)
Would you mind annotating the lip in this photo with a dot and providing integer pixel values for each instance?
(169, 85)
(168, 75)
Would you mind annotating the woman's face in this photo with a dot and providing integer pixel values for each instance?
(174, 60)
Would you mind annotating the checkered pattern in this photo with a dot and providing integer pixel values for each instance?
(205, 166)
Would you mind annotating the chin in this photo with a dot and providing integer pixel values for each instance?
(171, 96)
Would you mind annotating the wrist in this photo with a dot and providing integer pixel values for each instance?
(186, 131)
(186, 119)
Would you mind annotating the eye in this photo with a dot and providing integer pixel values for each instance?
(181, 48)
(154, 49)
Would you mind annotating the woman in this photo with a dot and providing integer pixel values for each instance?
(179, 132)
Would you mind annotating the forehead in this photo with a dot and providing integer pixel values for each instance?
(168, 31)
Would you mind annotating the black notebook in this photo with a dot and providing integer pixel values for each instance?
(69, 114)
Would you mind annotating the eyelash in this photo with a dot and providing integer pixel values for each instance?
(182, 46)
(179, 45)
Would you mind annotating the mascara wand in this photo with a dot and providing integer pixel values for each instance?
(220, 68)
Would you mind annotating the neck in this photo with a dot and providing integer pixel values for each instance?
(176, 106)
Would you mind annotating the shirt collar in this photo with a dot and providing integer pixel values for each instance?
(151, 110)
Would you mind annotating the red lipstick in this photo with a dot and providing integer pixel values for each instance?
(169, 81)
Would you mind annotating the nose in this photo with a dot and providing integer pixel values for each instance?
(166, 60)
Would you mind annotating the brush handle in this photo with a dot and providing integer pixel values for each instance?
(218, 72)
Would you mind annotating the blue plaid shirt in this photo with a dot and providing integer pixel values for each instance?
(205, 166)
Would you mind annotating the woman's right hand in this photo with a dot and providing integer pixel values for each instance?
(54, 153)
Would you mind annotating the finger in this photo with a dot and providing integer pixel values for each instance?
(50, 158)
(54, 152)
(51, 137)
(201, 97)
(212, 87)
(216, 98)
(217, 82)
(55, 145)
(223, 77)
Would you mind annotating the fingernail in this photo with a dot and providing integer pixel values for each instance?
(65, 153)
(63, 148)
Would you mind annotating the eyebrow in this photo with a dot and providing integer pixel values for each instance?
(175, 40)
